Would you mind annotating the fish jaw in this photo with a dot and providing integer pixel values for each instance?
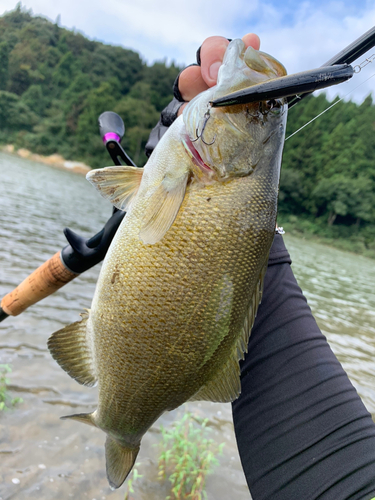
(230, 140)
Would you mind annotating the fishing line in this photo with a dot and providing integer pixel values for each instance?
(334, 104)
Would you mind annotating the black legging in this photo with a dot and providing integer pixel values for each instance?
(303, 433)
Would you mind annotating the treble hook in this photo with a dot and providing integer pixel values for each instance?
(206, 117)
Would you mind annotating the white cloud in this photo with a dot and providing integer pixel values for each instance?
(171, 30)
(158, 30)
(315, 37)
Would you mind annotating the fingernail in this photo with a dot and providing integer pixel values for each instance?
(214, 70)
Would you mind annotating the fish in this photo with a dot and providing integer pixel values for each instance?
(182, 280)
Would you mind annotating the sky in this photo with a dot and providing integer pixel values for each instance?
(302, 35)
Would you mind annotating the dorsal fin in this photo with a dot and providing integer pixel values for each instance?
(225, 386)
(71, 349)
(252, 309)
(118, 184)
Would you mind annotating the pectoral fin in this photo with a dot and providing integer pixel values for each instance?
(163, 207)
(119, 461)
(118, 184)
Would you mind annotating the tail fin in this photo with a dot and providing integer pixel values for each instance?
(119, 462)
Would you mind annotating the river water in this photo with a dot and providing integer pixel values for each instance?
(46, 458)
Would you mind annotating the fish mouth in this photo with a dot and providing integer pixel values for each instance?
(195, 156)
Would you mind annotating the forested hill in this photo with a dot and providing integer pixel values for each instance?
(328, 173)
(54, 83)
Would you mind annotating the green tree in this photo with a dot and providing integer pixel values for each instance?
(292, 193)
(35, 99)
(345, 196)
(65, 70)
(161, 78)
(98, 100)
(4, 65)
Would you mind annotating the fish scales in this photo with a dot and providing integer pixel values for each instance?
(181, 283)
(206, 268)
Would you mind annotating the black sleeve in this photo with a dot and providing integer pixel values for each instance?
(302, 430)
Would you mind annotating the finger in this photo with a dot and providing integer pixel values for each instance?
(191, 83)
(251, 40)
(212, 55)
(195, 79)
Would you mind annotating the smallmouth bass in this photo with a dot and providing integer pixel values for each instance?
(181, 283)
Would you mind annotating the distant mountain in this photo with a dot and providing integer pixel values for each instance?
(54, 83)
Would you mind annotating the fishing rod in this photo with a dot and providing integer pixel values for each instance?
(81, 254)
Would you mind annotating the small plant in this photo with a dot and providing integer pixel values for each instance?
(5, 400)
(131, 480)
(187, 456)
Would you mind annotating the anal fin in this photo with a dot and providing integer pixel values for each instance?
(70, 348)
(119, 461)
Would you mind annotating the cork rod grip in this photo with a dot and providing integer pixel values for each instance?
(44, 281)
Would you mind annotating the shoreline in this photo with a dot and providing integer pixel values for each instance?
(293, 225)
(54, 160)
(354, 244)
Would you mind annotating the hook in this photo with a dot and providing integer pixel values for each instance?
(206, 117)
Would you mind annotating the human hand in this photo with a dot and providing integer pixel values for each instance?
(196, 79)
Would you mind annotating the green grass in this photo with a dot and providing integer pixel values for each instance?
(134, 475)
(6, 401)
(187, 457)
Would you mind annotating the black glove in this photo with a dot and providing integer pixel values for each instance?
(169, 114)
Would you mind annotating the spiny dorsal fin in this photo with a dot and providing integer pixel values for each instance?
(85, 418)
(70, 348)
(119, 461)
(118, 184)
(226, 386)
(252, 309)
(163, 206)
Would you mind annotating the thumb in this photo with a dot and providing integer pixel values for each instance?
(212, 55)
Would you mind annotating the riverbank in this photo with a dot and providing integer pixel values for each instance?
(359, 241)
(54, 160)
